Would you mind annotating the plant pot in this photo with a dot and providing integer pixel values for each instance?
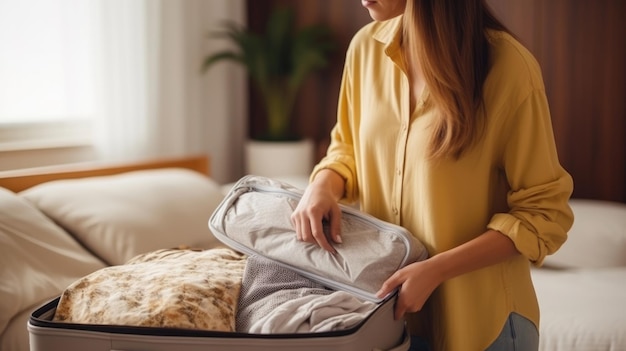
(280, 158)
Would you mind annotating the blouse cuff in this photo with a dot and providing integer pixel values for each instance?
(526, 242)
(351, 192)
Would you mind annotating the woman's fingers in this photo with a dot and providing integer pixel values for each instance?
(335, 225)
(389, 285)
(320, 236)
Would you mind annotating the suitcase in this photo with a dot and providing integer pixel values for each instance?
(254, 219)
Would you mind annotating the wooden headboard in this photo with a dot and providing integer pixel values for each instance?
(18, 180)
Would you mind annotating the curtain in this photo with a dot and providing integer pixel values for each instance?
(153, 99)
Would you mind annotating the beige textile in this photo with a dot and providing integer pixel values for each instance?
(164, 288)
(121, 216)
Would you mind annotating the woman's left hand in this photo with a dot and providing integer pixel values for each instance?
(417, 281)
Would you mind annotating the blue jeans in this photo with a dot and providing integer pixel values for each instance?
(518, 334)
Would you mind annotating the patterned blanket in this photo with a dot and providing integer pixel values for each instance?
(176, 288)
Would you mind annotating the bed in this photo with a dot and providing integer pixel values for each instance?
(58, 224)
(582, 287)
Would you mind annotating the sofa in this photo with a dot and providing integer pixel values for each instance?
(60, 224)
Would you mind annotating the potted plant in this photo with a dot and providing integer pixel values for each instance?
(277, 61)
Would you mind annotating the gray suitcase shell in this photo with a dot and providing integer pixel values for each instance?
(378, 332)
(262, 206)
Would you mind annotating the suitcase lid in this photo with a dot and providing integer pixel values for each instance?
(254, 218)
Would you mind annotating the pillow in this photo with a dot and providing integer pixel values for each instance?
(121, 216)
(38, 260)
(597, 239)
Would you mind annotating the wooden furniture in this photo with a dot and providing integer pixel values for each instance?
(18, 180)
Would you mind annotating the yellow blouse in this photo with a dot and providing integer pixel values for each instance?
(510, 181)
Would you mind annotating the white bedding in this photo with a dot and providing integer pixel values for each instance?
(582, 309)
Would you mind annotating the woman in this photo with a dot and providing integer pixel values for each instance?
(443, 127)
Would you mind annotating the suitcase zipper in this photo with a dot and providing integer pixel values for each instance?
(241, 187)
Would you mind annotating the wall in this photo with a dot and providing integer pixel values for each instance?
(581, 47)
(578, 43)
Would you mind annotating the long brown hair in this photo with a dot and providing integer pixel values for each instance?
(449, 40)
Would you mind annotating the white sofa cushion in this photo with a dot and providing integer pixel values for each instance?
(597, 238)
(120, 216)
(38, 260)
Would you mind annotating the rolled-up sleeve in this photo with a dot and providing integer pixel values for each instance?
(540, 215)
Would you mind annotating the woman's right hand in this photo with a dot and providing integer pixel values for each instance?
(319, 207)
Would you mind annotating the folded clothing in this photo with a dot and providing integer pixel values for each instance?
(164, 288)
(275, 299)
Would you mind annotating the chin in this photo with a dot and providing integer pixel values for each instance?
(377, 16)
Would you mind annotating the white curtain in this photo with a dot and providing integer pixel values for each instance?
(154, 99)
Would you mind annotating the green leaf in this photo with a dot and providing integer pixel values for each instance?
(278, 61)
(220, 56)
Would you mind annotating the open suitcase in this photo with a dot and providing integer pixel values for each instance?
(254, 219)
